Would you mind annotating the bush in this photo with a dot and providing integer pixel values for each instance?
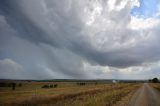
(81, 83)
(51, 86)
(149, 80)
(19, 85)
(45, 86)
(55, 85)
(2, 84)
(9, 84)
(13, 86)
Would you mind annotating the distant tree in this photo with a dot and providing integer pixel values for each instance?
(96, 83)
(13, 86)
(3, 84)
(81, 83)
(155, 80)
(45, 86)
(9, 84)
(51, 86)
(149, 80)
(19, 85)
(55, 85)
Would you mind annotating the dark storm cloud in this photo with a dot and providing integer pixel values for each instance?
(59, 39)
(27, 29)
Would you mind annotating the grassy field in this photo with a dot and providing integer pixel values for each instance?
(66, 94)
(156, 85)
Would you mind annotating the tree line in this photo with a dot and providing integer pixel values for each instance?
(12, 85)
(154, 80)
(50, 86)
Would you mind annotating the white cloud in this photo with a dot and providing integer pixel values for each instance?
(143, 24)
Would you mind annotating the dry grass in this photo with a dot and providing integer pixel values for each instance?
(126, 100)
(68, 94)
(106, 98)
(156, 85)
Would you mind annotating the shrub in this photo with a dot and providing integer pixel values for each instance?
(19, 85)
(51, 86)
(13, 86)
(81, 83)
(55, 85)
(2, 84)
(45, 86)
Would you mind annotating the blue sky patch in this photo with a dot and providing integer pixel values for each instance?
(147, 9)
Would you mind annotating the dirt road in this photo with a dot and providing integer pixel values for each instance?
(146, 96)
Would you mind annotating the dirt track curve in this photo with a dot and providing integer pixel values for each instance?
(146, 96)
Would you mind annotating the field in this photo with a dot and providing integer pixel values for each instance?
(156, 86)
(68, 94)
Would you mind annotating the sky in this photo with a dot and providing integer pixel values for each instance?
(79, 39)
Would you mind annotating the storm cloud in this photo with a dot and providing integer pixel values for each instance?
(76, 39)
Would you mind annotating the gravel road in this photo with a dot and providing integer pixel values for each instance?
(146, 96)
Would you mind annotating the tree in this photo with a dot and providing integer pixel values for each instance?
(19, 85)
(13, 86)
(155, 80)
(51, 86)
(149, 80)
(45, 86)
(55, 85)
